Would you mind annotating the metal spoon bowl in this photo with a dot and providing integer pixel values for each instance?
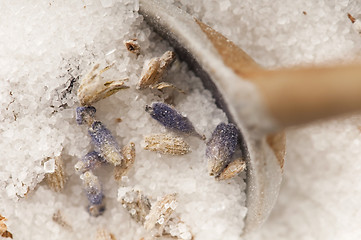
(264, 169)
(260, 102)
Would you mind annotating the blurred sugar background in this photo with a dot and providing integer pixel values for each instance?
(46, 46)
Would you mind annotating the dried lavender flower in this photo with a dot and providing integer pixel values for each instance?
(221, 147)
(161, 212)
(132, 46)
(170, 118)
(154, 70)
(85, 115)
(128, 161)
(105, 143)
(3, 228)
(232, 169)
(93, 87)
(89, 162)
(92, 188)
(59, 219)
(136, 203)
(56, 180)
(96, 210)
(356, 23)
(104, 234)
(166, 60)
(166, 144)
(162, 85)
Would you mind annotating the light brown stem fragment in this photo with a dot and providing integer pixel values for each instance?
(3, 228)
(232, 55)
(128, 161)
(57, 179)
(166, 144)
(104, 234)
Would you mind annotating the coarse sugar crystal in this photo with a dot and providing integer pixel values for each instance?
(39, 68)
(49, 166)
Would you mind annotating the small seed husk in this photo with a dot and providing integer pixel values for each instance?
(57, 179)
(233, 169)
(93, 88)
(128, 161)
(155, 69)
(166, 144)
(161, 212)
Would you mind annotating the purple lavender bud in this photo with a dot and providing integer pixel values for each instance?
(221, 147)
(105, 143)
(92, 188)
(94, 197)
(89, 162)
(92, 158)
(85, 115)
(170, 118)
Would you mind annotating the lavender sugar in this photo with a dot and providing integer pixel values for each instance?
(40, 69)
(40, 122)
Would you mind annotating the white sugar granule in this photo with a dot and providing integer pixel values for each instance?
(49, 166)
(40, 123)
(46, 48)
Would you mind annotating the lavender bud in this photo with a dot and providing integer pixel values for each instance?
(105, 143)
(89, 162)
(96, 210)
(92, 188)
(221, 147)
(170, 118)
(85, 115)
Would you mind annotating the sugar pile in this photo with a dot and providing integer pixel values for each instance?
(320, 195)
(45, 49)
(49, 47)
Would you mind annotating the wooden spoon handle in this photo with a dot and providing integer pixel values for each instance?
(299, 95)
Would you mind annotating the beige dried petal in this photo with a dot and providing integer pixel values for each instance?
(57, 179)
(3, 228)
(7, 234)
(104, 234)
(59, 219)
(162, 85)
(93, 87)
(132, 46)
(352, 19)
(155, 69)
(166, 144)
(161, 212)
(128, 161)
(149, 74)
(166, 60)
(233, 169)
(136, 203)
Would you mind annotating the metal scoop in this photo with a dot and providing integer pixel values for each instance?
(260, 102)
